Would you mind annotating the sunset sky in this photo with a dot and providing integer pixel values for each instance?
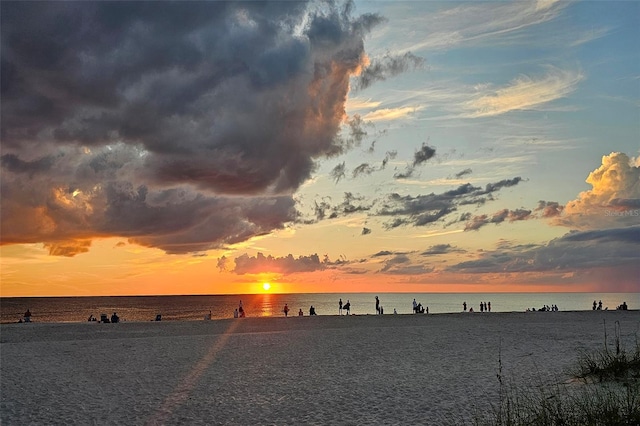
(422, 146)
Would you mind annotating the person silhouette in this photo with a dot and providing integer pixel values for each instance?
(340, 307)
(377, 305)
(286, 310)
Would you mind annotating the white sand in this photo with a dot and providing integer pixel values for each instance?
(391, 369)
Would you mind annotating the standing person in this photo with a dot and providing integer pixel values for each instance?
(489, 306)
(347, 307)
(377, 305)
(286, 310)
(340, 307)
(415, 306)
(594, 305)
(481, 306)
(27, 316)
(464, 306)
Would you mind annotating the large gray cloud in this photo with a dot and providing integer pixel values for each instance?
(183, 126)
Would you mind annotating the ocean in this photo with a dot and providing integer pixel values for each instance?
(189, 308)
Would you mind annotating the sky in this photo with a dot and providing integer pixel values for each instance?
(152, 148)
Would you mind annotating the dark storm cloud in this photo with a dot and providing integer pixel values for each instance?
(183, 126)
(575, 251)
(15, 165)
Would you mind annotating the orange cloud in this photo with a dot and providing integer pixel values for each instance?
(613, 200)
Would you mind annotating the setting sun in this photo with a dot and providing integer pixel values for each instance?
(266, 286)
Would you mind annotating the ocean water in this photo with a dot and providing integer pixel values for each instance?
(188, 308)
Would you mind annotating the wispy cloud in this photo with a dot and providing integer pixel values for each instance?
(523, 93)
(481, 22)
(387, 114)
(358, 104)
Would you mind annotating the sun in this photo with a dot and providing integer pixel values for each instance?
(266, 286)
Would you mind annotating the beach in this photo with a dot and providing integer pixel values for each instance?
(361, 369)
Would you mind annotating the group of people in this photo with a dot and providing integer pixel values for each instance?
(547, 308)
(105, 319)
(598, 306)
(239, 312)
(26, 317)
(418, 308)
(484, 307)
(346, 307)
(312, 311)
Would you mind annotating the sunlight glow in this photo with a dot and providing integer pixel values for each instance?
(266, 286)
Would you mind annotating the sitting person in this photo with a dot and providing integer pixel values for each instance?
(300, 313)
(312, 310)
(27, 316)
(115, 318)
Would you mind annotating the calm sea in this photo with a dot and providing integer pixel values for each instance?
(184, 308)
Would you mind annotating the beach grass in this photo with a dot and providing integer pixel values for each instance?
(603, 389)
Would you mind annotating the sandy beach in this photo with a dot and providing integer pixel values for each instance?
(391, 369)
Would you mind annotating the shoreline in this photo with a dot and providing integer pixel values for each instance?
(124, 320)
